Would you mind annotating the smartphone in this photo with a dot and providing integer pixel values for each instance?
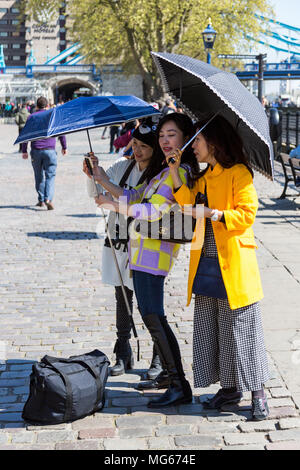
(89, 165)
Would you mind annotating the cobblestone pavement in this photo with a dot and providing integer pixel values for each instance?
(53, 302)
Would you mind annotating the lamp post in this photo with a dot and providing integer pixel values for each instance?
(209, 36)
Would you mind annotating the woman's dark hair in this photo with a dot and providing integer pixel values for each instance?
(158, 163)
(227, 145)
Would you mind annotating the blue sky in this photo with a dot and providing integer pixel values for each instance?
(288, 12)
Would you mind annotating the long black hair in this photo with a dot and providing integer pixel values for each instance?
(158, 160)
(226, 144)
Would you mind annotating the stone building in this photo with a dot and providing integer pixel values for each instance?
(39, 40)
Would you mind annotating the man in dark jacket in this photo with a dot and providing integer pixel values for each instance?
(44, 161)
(21, 118)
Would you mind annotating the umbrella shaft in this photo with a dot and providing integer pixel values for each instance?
(88, 134)
(116, 263)
(200, 130)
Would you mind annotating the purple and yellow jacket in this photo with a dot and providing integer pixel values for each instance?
(147, 254)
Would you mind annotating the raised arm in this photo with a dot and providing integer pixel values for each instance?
(102, 178)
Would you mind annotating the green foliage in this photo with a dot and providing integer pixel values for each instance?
(126, 31)
(41, 11)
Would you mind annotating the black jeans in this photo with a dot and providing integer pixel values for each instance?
(149, 291)
(114, 133)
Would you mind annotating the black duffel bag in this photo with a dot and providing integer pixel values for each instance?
(63, 390)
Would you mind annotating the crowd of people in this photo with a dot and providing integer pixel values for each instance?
(10, 108)
(228, 341)
(150, 177)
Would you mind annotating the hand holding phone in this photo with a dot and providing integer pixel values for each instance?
(89, 165)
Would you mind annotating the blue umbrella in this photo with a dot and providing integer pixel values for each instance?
(84, 113)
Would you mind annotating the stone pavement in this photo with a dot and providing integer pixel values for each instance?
(53, 302)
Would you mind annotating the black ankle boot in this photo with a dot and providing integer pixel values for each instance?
(161, 381)
(179, 390)
(124, 357)
(155, 367)
(221, 398)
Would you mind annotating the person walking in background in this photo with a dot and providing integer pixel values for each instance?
(228, 341)
(151, 259)
(44, 162)
(21, 118)
(114, 133)
(168, 108)
(126, 174)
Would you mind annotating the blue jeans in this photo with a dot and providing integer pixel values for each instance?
(44, 163)
(149, 292)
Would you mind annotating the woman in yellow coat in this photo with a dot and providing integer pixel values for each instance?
(228, 342)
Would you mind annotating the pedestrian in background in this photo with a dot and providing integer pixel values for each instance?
(21, 118)
(168, 108)
(228, 342)
(114, 133)
(44, 162)
(123, 143)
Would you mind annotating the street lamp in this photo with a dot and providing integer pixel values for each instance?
(209, 36)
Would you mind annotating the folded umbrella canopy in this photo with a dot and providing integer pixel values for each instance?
(201, 88)
(84, 113)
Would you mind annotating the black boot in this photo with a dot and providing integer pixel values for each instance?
(155, 367)
(161, 380)
(124, 357)
(179, 390)
(223, 397)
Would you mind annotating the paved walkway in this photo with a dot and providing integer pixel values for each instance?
(53, 302)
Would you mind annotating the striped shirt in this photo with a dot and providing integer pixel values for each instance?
(147, 254)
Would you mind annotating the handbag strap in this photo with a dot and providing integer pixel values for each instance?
(126, 174)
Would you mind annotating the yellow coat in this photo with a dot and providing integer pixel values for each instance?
(232, 191)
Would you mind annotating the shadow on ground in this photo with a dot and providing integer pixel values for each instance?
(65, 235)
(30, 208)
(83, 215)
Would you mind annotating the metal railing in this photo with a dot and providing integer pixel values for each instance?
(285, 134)
(290, 129)
(31, 70)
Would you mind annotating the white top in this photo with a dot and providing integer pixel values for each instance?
(109, 271)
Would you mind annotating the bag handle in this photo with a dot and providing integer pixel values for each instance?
(95, 374)
(50, 360)
(69, 398)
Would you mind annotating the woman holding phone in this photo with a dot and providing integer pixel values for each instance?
(151, 259)
(127, 174)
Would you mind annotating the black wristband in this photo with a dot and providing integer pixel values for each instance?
(176, 189)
